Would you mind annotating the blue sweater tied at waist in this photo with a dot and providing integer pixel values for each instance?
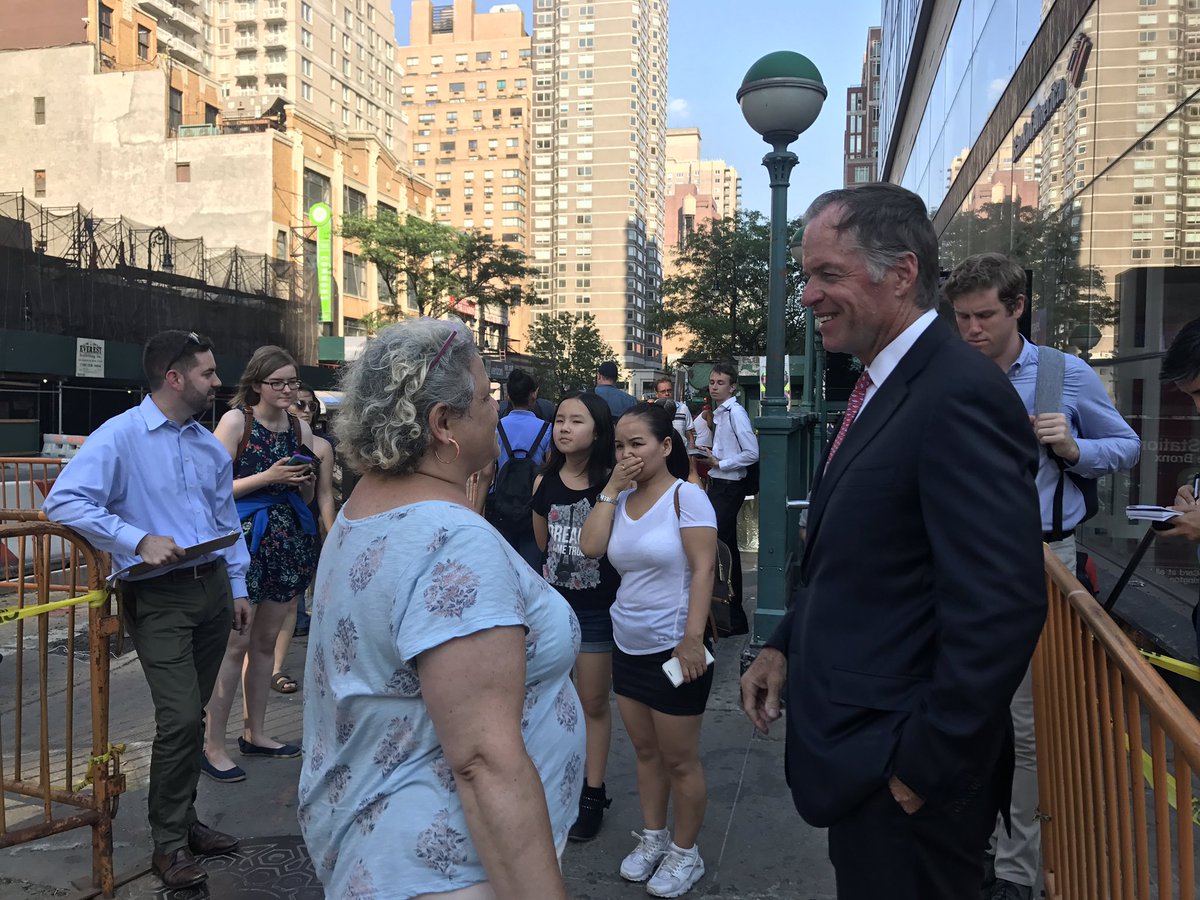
(256, 505)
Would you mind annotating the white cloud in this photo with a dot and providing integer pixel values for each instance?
(679, 109)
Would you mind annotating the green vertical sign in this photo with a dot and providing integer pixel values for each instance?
(322, 216)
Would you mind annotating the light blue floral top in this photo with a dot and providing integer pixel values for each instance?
(379, 808)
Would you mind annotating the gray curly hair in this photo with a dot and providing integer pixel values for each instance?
(383, 423)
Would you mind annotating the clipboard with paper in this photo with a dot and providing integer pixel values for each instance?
(189, 553)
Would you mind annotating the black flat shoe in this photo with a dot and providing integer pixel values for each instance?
(287, 751)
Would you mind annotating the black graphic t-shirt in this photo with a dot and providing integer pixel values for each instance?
(586, 583)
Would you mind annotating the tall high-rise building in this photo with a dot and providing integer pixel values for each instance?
(699, 192)
(713, 179)
(466, 88)
(599, 167)
(862, 117)
(336, 62)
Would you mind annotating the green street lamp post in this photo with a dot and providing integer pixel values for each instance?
(780, 97)
(813, 410)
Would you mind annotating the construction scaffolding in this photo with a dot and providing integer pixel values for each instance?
(74, 234)
(64, 271)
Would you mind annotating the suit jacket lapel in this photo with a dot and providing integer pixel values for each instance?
(870, 422)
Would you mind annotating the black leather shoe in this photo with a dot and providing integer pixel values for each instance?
(178, 869)
(205, 841)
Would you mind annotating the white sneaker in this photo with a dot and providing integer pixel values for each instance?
(645, 857)
(679, 870)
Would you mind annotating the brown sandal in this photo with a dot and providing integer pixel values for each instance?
(284, 683)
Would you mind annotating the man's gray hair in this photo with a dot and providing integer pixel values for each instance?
(887, 221)
(383, 422)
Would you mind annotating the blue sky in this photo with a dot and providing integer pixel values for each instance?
(714, 42)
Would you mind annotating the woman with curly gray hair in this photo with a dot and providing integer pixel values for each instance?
(445, 739)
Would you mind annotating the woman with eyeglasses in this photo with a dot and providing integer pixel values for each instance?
(273, 483)
(444, 740)
(305, 408)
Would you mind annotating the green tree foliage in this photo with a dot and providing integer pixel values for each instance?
(720, 293)
(411, 256)
(488, 272)
(570, 349)
(434, 266)
(1067, 292)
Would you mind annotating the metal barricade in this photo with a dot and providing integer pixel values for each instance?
(58, 770)
(24, 483)
(1118, 757)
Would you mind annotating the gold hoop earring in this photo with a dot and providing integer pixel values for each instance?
(449, 462)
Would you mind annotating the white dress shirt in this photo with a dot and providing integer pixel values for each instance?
(734, 442)
(889, 357)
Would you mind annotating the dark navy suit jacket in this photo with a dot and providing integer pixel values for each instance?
(921, 592)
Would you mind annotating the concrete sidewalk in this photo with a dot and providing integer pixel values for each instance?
(754, 844)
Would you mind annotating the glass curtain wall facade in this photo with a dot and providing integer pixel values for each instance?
(1095, 187)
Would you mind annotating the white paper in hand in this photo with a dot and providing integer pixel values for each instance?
(1151, 513)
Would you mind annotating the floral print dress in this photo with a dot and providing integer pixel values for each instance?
(287, 557)
(379, 807)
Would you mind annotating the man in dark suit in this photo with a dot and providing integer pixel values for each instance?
(921, 595)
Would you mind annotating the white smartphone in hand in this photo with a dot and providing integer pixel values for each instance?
(674, 671)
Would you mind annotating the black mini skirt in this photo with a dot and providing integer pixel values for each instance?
(641, 678)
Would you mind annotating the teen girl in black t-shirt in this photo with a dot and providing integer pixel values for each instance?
(581, 459)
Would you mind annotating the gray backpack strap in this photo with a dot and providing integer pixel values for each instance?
(1048, 392)
(1047, 398)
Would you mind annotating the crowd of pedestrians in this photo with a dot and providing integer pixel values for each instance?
(492, 581)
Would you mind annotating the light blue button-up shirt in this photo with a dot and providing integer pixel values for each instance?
(1106, 442)
(140, 474)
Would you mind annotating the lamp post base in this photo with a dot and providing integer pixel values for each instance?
(779, 525)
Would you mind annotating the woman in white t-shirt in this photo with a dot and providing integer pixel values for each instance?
(660, 534)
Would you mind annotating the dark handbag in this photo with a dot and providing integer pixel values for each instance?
(750, 482)
(722, 590)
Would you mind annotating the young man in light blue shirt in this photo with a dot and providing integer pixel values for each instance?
(144, 486)
(1089, 438)
(529, 438)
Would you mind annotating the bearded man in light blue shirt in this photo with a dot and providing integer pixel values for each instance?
(146, 485)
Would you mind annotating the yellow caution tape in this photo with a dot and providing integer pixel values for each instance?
(1148, 771)
(16, 613)
(1178, 666)
(95, 762)
(1148, 774)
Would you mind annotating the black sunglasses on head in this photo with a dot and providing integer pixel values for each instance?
(192, 340)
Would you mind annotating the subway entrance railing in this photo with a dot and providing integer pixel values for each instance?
(1118, 757)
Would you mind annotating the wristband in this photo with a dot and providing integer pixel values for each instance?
(604, 498)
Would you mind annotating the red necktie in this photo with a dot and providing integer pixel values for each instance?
(852, 407)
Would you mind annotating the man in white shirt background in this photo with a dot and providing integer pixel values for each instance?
(664, 389)
(734, 449)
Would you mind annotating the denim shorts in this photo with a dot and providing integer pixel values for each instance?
(596, 633)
